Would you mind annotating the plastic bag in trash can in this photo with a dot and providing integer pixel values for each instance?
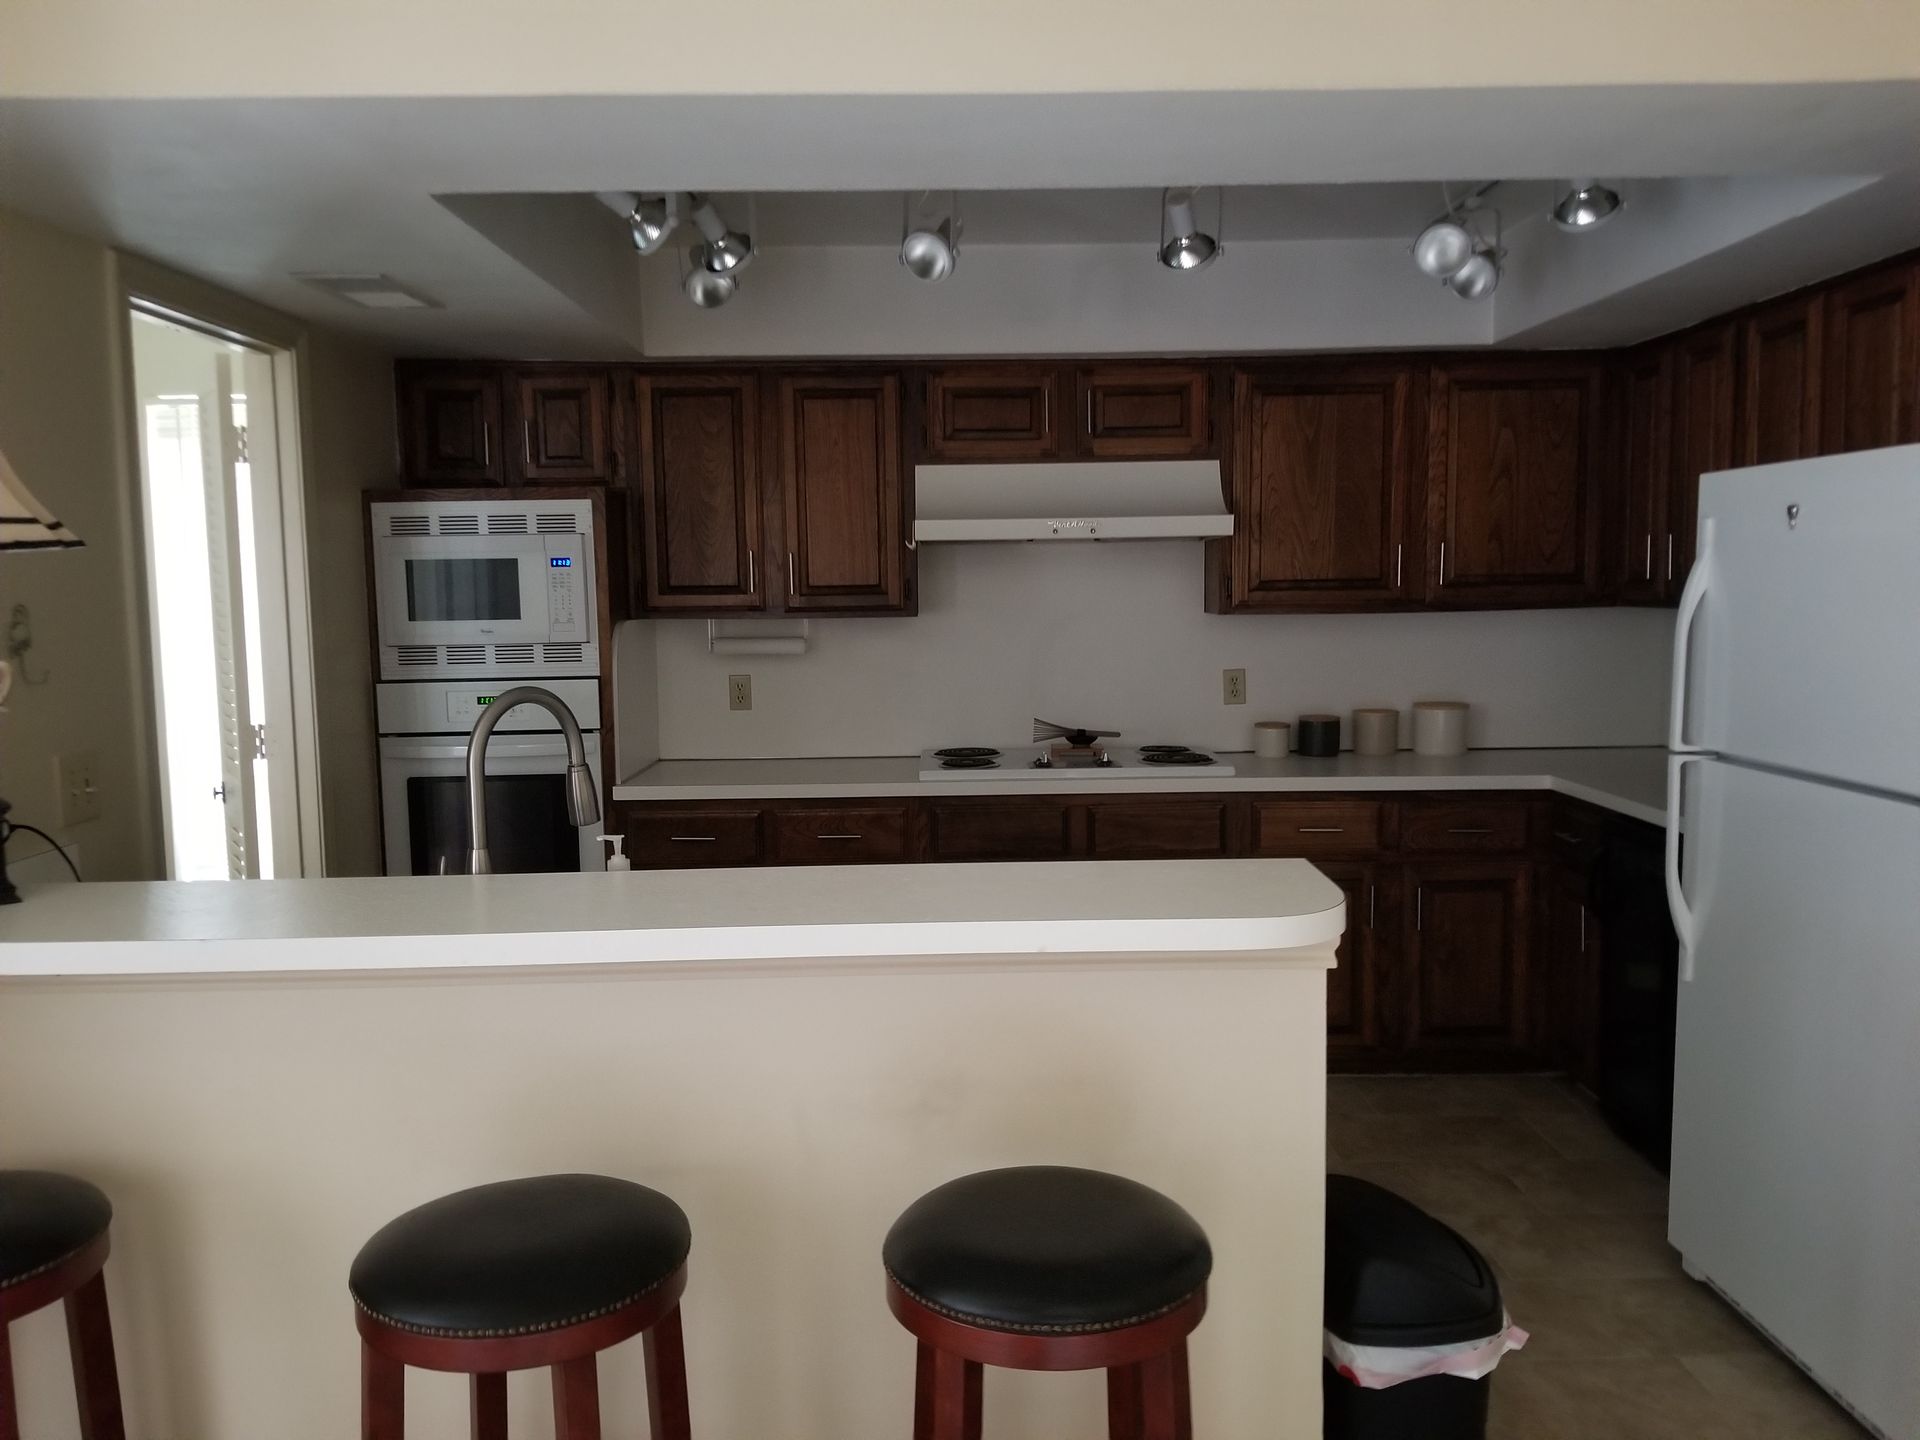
(1376, 1367)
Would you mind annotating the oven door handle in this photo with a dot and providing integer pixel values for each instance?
(507, 745)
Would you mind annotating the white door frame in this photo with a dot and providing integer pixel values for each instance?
(185, 301)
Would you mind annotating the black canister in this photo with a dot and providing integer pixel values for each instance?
(1319, 734)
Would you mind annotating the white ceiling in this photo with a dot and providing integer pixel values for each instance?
(248, 194)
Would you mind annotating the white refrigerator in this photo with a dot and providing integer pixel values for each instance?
(1793, 872)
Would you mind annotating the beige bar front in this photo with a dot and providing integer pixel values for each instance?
(254, 1131)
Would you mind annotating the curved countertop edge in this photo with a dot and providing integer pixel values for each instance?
(1628, 780)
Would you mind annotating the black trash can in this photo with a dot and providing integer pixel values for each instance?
(1398, 1278)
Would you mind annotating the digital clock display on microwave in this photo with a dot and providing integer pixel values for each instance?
(560, 562)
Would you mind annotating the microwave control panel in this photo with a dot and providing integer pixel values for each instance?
(566, 586)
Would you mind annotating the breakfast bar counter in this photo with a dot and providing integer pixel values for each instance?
(260, 1074)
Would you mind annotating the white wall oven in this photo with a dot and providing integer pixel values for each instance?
(493, 587)
(423, 778)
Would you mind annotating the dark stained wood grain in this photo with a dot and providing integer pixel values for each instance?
(1354, 1001)
(1780, 392)
(1465, 938)
(1511, 482)
(576, 1399)
(1015, 827)
(1463, 827)
(1144, 412)
(689, 836)
(487, 1406)
(668, 1411)
(451, 419)
(1703, 433)
(840, 834)
(1311, 829)
(1157, 830)
(1643, 461)
(700, 493)
(1870, 395)
(1003, 412)
(840, 463)
(562, 432)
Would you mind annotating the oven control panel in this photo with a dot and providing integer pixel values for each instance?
(566, 587)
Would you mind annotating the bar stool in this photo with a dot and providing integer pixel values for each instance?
(547, 1271)
(1048, 1268)
(53, 1246)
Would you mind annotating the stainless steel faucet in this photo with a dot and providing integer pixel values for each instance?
(583, 799)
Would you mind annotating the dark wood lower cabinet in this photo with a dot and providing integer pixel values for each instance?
(1013, 828)
(1157, 830)
(1465, 959)
(1362, 1018)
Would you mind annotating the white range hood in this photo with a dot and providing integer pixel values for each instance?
(1092, 500)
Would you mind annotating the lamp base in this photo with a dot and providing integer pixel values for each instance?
(8, 895)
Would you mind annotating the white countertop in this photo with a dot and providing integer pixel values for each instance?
(1096, 909)
(1631, 781)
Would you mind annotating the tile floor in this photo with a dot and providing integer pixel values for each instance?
(1625, 1346)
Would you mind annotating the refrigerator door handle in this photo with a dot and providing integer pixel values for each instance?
(1691, 595)
(1684, 925)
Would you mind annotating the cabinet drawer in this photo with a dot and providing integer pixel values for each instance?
(838, 836)
(1463, 827)
(1569, 836)
(690, 839)
(993, 414)
(1016, 830)
(1316, 827)
(1157, 831)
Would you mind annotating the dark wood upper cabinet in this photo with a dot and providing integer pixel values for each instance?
(1643, 398)
(1703, 434)
(1144, 412)
(1324, 485)
(699, 483)
(1466, 951)
(1512, 498)
(1779, 399)
(1870, 394)
(840, 476)
(1009, 412)
(453, 432)
(565, 435)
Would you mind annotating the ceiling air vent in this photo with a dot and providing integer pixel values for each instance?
(372, 292)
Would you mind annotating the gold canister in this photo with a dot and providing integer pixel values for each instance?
(1376, 732)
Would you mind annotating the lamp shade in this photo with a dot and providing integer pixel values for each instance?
(26, 524)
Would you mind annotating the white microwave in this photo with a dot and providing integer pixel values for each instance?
(493, 587)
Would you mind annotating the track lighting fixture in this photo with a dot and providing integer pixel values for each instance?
(1586, 205)
(722, 251)
(930, 254)
(1453, 251)
(1183, 245)
(650, 218)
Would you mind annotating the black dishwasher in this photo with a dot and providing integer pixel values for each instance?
(1639, 994)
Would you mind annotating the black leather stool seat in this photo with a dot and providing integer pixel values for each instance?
(45, 1217)
(1047, 1249)
(520, 1256)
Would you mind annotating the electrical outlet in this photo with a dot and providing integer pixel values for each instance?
(76, 775)
(1233, 687)
(739, 692)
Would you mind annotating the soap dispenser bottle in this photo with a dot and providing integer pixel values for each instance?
(617, 860)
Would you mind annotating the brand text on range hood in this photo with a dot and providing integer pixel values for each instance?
(1097, 500)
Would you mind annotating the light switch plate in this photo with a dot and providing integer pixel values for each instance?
(77, 776)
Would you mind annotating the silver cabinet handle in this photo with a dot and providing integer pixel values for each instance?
(1370, 890)
(1669, 555)
(1420, 908)
(526, 441)
(1469, 830)
(847, 836)
(486, 445)
(1583, 929)
(750, 570)
(1649, 555)
(1566, 837)
(1089, 411)
(1046, 408)
(1397, 551)
(1323, 829)
(690, 839)
(792, 589)
(1443, 562)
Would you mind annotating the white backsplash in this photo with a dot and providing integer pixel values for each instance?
(1113, 635)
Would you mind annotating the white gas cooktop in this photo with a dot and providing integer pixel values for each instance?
(1044, 763)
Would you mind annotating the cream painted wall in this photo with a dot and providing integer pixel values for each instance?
(108, 48)
(1114, 636)
(60, 323)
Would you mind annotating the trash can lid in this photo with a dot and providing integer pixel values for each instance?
(1397, 1276)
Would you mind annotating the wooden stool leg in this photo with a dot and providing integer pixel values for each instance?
(96, 1379)
(383, 1381)
(1124, 1417)
(666, 1351)
(576, 1400)
(488, 1394)
(1165, 1407)
(9, 1413)
(946, 1396)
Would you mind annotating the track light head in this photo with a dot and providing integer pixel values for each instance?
(1442, 248)
(705, 286)
(930, 254)
(1586, 206)
(651, 221)
(724, 250)
(1183, 245)
(1478, 277)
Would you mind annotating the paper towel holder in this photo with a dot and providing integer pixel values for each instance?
(766, 636)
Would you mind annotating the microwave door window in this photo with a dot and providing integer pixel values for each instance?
(527, 828)
(484, 588)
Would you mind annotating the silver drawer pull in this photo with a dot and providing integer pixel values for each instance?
(1569, 839)
(840, 837)
(682, 839)
(1469, 830)
(1323, 829)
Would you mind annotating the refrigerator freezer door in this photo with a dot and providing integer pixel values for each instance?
(1805, 651)
(1796, 1140)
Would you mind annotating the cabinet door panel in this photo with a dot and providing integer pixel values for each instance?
(1144, 412)
(1703, 416)
(1323, 487)
(453, 428)
(1312, 828)
(1512, 501)
(1870, 391)
(670, 839)
(564, 430)
(1013, 829)
(1157, 830)
(993, 414)
(1358, 1023)
(1645, 457)
(845, 513)
(1467, 957)
(700, 484)
(1462, 827)
(1569, 975)
(1779, 403)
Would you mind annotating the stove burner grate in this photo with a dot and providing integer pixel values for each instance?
(967, 752)
(1174, 757)
(971, 762)
(1166, 749)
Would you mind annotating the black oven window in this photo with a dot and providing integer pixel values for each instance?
(527, 827)
(480, 589)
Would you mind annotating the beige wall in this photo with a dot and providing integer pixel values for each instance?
(209, 48)
(60, 424)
